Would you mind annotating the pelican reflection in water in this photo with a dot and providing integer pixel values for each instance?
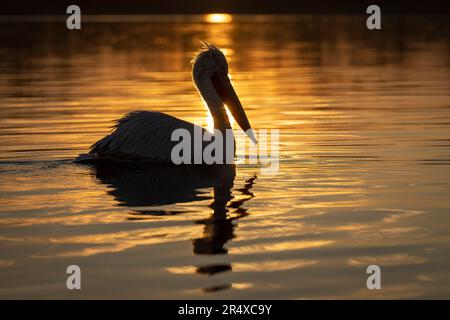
(145, 136)
(138, 187)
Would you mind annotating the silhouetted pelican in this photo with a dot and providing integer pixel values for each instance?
(145, 136)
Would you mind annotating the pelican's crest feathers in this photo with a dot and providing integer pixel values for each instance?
(206, 49)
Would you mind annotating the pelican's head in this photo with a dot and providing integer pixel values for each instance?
(210, 74)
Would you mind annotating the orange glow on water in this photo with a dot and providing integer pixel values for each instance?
(218, 18)
(363, 169)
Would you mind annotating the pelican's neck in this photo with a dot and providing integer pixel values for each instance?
(214, 103)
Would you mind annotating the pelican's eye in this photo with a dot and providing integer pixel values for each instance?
(222, 67)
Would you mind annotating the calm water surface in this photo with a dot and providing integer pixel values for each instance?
(364, 177)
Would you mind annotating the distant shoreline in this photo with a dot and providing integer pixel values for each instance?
(139, 7)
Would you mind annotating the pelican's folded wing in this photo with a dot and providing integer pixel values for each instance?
(141, 136)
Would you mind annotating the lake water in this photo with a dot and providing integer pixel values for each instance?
(364, 177)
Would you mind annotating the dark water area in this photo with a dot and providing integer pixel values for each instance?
(364, 172)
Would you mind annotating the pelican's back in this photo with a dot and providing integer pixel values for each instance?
(141, 136)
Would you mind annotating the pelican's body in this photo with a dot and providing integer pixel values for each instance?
(145, 136)
(141, 136)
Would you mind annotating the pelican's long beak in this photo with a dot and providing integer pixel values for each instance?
(223, 86)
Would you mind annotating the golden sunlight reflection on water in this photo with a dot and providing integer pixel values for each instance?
(218, 18)
(363, 174)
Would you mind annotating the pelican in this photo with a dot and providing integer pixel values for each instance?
(145, 136)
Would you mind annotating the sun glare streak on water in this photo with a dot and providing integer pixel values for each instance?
(218, 18)
(364, 170)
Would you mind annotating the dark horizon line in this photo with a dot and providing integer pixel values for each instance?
(225, 6)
